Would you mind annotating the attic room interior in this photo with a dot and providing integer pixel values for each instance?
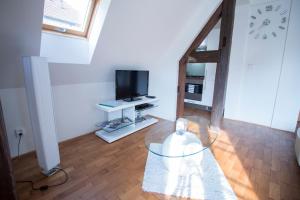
(136, 99)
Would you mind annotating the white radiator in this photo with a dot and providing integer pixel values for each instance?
(39, 97)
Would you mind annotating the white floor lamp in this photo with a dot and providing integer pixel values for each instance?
(40, 104)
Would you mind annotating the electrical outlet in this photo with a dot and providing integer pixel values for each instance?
(19, 132)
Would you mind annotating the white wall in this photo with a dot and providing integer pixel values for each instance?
(74, 109)
(154, 42)
(128, 40)
(20, 35)
(64, 49)
(16, 116)
(164, 79)
(237, 62)
(212, 41)
(262, 72)
(254, 92)
(97, 26)
(59, 48)
(287, 104)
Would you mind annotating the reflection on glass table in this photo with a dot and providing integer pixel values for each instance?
(190, 137)
(181, 150)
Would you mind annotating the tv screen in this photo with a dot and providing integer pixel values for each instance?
(131, 84)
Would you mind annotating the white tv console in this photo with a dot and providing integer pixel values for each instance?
(126, 109)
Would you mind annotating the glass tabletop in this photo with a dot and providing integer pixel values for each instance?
(192, 139)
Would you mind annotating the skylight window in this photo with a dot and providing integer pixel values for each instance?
(68, 16)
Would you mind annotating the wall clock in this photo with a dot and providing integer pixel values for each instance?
(268, 20)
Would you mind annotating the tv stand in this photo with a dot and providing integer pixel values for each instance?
(130, 111)
(132, 99)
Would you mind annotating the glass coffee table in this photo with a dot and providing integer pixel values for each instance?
(190, 138)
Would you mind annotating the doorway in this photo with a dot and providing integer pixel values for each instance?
(200, 78)
(210, 51)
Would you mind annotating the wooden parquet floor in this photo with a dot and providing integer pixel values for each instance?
(258, 162)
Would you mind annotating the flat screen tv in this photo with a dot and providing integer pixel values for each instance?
(131, 84)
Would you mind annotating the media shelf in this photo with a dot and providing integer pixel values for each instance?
(144, 107)
(132, 112)
(120, 133)
(113, 125)
(120, 104)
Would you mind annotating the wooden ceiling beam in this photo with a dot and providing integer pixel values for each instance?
(225, 12)
(226, 30)
(213, 20)
(204, 57)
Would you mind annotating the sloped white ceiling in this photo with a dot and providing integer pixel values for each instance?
(136, 33)
(20, 35)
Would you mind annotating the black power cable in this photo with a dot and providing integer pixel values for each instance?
(45, 187)
(19, 142)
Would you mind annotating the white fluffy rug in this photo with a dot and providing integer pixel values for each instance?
(204, 178)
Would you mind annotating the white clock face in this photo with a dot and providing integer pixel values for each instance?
(268, 20)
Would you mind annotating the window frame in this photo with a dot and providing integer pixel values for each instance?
(69, 32)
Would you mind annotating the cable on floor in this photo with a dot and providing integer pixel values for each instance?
(46, 187)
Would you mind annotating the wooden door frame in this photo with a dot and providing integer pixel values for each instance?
(7, 182)
(225, 12)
